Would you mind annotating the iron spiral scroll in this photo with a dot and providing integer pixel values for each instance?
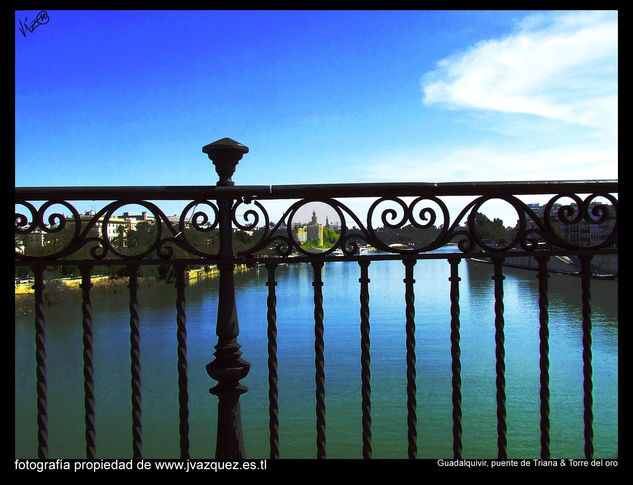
(422, 212)
(100, 246)
(530, 229)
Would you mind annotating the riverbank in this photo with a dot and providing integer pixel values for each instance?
(63, 290)
(606, 267)
(60, 291)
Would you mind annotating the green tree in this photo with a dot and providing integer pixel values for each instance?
(329, 237)
(140, 238)
(495, 230)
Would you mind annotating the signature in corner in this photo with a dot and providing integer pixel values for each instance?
(40, 19)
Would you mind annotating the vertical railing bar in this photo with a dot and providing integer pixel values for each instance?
(181, 335)
(585, 275)
(89, 397)
(456, 358)
(544, 355)
(40, 359)
(319, 359)
(412, 449)
(135, 368)
(365, 358)
(500, 357)
(273, 392)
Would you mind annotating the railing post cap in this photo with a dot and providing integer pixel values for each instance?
(224, 145)
(225, 154)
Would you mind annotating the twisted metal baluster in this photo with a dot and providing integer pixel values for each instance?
(89, 396)
(455, 358)
(273, 391)
(365, 358)
(40, 360)
(135, 355)
(500, 354)
(319, 360)
(183, 395)
(411, 359)
(544, 354)
(585, 274)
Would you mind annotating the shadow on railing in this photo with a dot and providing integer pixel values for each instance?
(402, 221)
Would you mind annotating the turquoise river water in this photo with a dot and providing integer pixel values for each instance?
(295, 323)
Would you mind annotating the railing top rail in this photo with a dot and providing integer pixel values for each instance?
(444, 188)
(123, 193)
(191, 232)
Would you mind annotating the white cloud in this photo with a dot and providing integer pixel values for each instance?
(547, 92)
(491, 163)
(561, 66)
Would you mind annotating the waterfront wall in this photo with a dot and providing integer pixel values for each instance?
(68, 289)
(601, 265)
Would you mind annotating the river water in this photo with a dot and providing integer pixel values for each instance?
(295, 324)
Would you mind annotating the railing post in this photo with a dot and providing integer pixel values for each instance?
(227, 367)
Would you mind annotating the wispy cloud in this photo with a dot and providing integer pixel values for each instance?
(482, 162)
(561, 66)
(547, 95)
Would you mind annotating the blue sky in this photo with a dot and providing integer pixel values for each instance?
(130, 97)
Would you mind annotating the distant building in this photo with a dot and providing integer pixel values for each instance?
(116, 227)
(315, 230)
(335, 226)
(34, 238)
(302, 234)
(137, 217)
(582, 233)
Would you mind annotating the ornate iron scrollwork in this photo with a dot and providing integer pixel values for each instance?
(384, 214)
(531, 229)
(92, 232)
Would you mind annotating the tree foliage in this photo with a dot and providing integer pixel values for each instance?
(493, 230)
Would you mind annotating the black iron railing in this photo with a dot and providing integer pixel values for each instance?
(89, 243)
